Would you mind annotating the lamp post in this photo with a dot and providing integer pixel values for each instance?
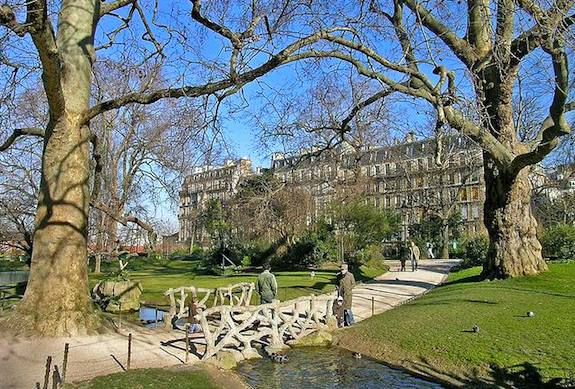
(404, 221)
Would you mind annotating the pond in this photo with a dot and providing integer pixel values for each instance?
(312, 368)
(13, 277)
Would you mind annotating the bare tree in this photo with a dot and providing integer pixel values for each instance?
(63, 43)
(465, 63)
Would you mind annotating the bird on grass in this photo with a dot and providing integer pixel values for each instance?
(530, 314)
(476, 328)
(357, 355)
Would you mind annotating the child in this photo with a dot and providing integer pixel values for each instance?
(339, 311)
(193, 325)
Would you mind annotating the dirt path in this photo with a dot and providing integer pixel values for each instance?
(23, 361)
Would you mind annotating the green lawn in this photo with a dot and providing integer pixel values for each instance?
(433, 334)
(149, 379)
(157, 277)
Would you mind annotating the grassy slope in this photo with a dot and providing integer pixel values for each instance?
(157, 277)
(149, 379)
(434, 333)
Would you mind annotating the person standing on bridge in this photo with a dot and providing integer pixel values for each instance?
(267, 286)
(345, 285)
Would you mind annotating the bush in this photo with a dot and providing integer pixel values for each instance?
(311, 250)
(370, 254)
(558, 242)
(475, 249)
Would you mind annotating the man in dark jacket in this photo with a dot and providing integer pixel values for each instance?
(267, 286)
(345, 285)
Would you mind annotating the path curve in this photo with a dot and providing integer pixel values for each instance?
(22, 361)
(395, 287)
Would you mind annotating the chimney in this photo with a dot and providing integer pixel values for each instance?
(410, 137)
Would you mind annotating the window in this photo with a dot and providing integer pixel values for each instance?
(462, 194)
(464, 212)
(475, 211)
(475, 193)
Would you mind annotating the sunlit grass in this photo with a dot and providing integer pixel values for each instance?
(435, 331)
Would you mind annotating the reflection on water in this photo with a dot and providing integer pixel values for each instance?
(151, 314)
(12, 277)
(326, 368)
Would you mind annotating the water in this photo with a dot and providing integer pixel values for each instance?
(312, 368)
(151, 314)
(12, 277)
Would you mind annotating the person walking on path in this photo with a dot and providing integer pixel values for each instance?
(414, 254)
(345, 285)
(430, 254)
(267, 286)
(403, 255)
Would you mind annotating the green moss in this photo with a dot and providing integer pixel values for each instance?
(435, 330)
(149, 379)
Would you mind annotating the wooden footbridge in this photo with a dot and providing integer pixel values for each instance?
(232, 323)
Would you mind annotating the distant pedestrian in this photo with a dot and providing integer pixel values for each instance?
(414, 254)
(345, 285)
(430, 254)
(267, 286)
(403, 255)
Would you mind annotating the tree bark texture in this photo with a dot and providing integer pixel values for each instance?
(57, 300)
(514, 249)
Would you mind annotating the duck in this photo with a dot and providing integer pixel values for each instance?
(279, 358)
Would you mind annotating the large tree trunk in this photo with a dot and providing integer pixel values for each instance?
(57, 301)
(514, 249)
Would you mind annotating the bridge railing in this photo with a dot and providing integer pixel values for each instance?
(275, 323)
(239, 294)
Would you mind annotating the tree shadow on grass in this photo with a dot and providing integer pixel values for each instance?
(523, 375)
(464, 280)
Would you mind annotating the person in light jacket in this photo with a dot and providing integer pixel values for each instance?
(414, 254)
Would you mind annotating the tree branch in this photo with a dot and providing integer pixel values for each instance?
(21, 132)
(106, 8)
(276, 60)
(8, 19)
(459, 46)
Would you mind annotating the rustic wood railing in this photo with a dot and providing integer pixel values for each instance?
(235, 295)
(273, 324)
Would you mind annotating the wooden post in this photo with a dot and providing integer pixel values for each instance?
(65, 362)
(47, 374)
(187, 329)
(372, 305)
(156, 314)
(129, 351)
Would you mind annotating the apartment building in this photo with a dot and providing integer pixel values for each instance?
(204, 184)
(405, 177)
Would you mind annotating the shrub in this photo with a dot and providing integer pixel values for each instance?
(311, 250)
(558, 242)
(370, 254)
(246, 261)
(475, 249)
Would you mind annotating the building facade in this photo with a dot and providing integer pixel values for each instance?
(204, 184)
(404, 177)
